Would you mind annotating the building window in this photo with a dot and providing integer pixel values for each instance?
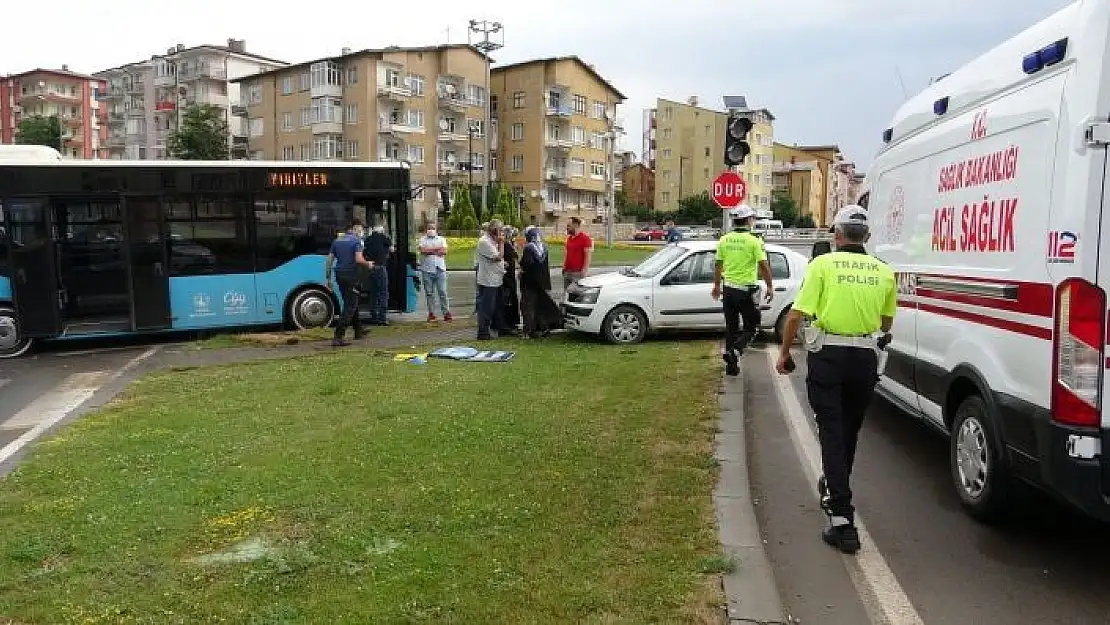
(287, 122)
(306, 152)
(327, 147)
(352, 74)
(493, 162)
(518, 99)
(578, 135)
(667, 153)
(287, 85)
(306, 81)
(518, 131)
(666, 133)
(476, 94)
(327, 110)
(665, 175)
(597, 170)
(597, 141)
(254, 94)
(599, 110)
(325, 73)
(707, 151)
(478, 125)
(416, 153)
(577, 167)
(517, 163)
(415, 118)
(288, 153)
(416, 84)
(306, 116)
(352, 149)
(666, 197)
(668, 113)
(477, 161)
(578, 103)
(256, 127)
(352, 114)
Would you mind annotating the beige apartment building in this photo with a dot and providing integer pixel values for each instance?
(423, 105)
(831, 181)
(556, 118)
(684, 144)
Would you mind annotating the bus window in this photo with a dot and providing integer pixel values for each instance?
(209, 237)
(3, 244)
(286, 229)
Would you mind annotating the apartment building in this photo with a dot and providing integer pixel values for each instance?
(834, 175)
(803, 181)
(556, 118)
(638, 182)
(144, 99)
(66, 95)
(684, 145)
(424, 105)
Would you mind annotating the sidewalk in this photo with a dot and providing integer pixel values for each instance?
(750, 588)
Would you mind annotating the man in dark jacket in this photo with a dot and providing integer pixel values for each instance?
(378, 249)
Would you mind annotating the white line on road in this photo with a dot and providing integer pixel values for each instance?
(48, 410)
(883, 596)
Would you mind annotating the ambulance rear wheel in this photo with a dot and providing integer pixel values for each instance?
(978, 463)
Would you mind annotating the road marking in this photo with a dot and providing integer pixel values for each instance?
(48, 410)
(882, 595)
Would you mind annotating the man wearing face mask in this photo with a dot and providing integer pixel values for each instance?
(433, 270)
(346, 255)
(378, 248)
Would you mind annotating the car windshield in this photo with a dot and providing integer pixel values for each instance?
(657, 262)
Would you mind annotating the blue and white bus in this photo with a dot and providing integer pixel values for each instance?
(96, 248)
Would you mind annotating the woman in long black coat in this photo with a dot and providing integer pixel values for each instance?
(541, 313)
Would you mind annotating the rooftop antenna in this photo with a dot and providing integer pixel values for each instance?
(902, 83)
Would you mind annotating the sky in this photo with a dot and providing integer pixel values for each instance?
(831, 71)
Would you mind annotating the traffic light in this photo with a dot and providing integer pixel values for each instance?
(736, 140)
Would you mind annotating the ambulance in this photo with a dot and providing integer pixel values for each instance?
(990, 199)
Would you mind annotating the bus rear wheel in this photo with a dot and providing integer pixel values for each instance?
(12, 343)
(311, 308)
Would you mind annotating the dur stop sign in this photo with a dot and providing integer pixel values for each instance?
(728, 190)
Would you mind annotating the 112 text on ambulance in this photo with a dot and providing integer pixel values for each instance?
(985, 225)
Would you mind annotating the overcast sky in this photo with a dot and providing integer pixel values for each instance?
(830, 70)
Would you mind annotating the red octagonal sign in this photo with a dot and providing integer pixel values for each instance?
(728, 190)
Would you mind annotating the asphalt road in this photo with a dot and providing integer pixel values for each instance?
(1047, 565)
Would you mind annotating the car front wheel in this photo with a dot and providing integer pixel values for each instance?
(625, 325)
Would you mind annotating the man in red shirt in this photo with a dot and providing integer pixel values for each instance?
(579, 248)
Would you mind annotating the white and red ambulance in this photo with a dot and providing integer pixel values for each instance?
(991, 201)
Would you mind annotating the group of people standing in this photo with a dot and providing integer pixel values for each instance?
(513, 285)
(359, 263)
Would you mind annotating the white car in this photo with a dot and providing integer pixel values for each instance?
(672, 290)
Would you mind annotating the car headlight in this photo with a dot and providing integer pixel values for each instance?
(584, 295)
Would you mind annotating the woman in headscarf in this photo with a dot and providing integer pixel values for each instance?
(510, 294)
(541, 314)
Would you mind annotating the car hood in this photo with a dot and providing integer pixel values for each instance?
(607, 279)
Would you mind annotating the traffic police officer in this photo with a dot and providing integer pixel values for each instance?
(740, 260)
(346, 256)
(853, 297)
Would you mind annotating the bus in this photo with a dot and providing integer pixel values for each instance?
(102, 248)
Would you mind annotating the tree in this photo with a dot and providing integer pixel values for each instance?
(697, 209)
(39, 130)
(785, 209)
(504, 207)
(805, 221)
(202, 135)
(462, 211)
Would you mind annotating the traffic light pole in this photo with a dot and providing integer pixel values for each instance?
(736, 151)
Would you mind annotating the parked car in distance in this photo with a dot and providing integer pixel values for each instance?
(650, 233)
(672, 290)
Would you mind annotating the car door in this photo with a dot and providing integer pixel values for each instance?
(787, 280)
(683, 296)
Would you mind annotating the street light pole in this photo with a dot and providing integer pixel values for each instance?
(486, 45)
(614, 132)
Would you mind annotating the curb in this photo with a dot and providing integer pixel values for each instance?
(750, 588)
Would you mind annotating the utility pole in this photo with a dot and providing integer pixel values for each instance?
(614, 132)
(488, 43)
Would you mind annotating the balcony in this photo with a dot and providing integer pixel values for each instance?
(327, 128)
(452, 136)
(211, 99)
(135, 88)
(165, 106)
(553, 207)
(326, 90)
(451, 99)
(556, 175)
(395, 126)
(558, 143)
(558, 111)
(32, 95)
(136, 111)
(116, 140)
(203, 71)
(394, 91)
(165, 81)
(239, 109)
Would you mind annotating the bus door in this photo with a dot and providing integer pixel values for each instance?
(148, 265)
(33, 267)
(394, 216)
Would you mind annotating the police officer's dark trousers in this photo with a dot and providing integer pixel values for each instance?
(840, 384)
(348, 282)
(739, 304)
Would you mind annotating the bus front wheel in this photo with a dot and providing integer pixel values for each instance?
(12, 343)
(311, 308)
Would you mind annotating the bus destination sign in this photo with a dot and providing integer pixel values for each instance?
(298, 179)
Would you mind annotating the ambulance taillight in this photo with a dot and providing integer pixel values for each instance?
(1078, 347)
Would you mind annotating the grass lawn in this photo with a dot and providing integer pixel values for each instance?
(603, 256)
(347, 488)
(278, 338)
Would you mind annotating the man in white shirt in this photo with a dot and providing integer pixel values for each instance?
(490, 275)
(433, 270)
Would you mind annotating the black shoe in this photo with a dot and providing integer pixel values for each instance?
(379, 322)
(361, 335)
(732, 363)
(842, 537)
(485, 338)
(340, 343)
